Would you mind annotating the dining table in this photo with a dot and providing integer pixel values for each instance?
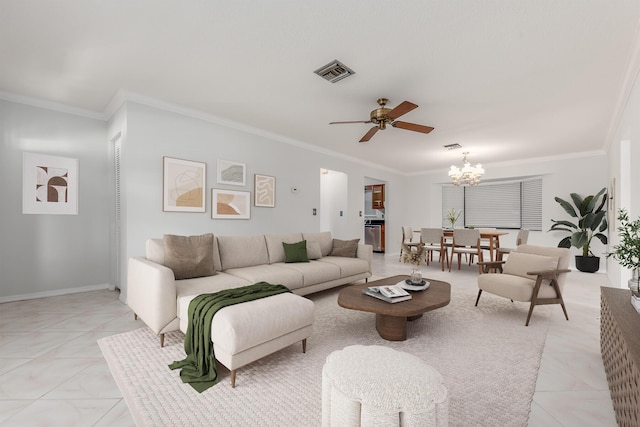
(492, 235)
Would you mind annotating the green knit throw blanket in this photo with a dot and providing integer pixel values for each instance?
(199, 367)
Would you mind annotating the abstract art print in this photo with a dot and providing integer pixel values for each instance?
(184, 185)
(49, 184)
(228, 204)
(264, 191)
(232, 173)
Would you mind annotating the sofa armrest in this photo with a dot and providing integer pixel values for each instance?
(365, 252)
(151, 293)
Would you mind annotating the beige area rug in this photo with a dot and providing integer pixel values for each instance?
(489, 361)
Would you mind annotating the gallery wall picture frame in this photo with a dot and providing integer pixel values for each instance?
(230, 204)
(232, 173)
(264, 191)
(49, 184)
(183, 188)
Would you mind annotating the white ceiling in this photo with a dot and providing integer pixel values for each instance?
(506, 79)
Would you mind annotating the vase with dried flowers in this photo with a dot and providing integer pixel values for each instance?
(414, 255)
(452, 216)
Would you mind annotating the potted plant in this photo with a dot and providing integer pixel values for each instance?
(591, 214)
(452, 216)
(627, 252)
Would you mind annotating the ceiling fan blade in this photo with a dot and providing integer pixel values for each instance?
(355, 121)
(401, 109)
(412, 126)
(369, 134)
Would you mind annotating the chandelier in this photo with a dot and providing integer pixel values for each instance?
(469, 175)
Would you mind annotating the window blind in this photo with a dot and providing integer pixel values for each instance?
(507, 204)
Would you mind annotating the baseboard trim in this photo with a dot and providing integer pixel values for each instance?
(56, 292)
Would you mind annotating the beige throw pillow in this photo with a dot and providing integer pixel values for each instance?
(313, 249)
(345, 248)
(189, 256)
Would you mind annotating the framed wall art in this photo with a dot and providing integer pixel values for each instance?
(183, 185)
(49, 184)
(229, 204)
(232, 173)
(264, 191)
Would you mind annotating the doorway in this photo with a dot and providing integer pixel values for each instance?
(375, 204)
(334, 202)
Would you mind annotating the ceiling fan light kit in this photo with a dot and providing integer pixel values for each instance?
(469, 175)
(383, 116)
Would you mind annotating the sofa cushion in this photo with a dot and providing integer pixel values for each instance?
(189, 256)
(242, 251)
(295, 252)
(239, 327)
(314, 272)
(313, 249)
(269, 273)
(274, 245)
(522, 263)
(348, 266)
(323, 238)
(513, 287)
(188, 289)
(345, 248)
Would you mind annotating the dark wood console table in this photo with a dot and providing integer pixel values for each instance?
(620, 347)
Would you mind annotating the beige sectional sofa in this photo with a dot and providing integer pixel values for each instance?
(162, 302)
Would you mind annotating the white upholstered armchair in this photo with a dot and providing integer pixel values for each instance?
(534, 274)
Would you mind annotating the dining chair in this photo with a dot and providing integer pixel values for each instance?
(407, 239)
(521, 239)
(433, 239)
(466, 241)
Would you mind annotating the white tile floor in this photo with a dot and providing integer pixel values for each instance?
(52, 372)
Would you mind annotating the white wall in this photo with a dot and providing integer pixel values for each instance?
(52, 254)
(152, 133)
(584, 175)
(624, 156)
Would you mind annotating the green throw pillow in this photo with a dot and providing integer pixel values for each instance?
(345, 248)
(295, 252)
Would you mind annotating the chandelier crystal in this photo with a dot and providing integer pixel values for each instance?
(469, 175)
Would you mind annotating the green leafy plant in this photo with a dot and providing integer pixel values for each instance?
(627, 252)
(452, 216)
(592, 221)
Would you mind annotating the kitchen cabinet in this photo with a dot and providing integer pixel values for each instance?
(377, 196)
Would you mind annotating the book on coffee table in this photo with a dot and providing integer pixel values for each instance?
(391, 294)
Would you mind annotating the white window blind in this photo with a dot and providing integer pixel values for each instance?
(509, 204)
(532, 204)
(493, 205)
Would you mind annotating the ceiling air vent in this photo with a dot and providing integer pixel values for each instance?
(334, 71)
(453, 146)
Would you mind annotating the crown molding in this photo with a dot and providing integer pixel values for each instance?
(122, 97)
(50, 105)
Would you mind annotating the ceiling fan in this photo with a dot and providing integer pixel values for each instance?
(384, 116)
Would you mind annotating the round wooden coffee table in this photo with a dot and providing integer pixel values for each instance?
(391, 319)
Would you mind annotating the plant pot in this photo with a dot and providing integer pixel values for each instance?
(587, 264)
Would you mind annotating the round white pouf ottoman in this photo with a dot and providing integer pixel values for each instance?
(378, 386)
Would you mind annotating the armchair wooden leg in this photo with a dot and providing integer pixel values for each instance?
(478, 299)
(304, 345)
(233, 378)
(161, 340)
